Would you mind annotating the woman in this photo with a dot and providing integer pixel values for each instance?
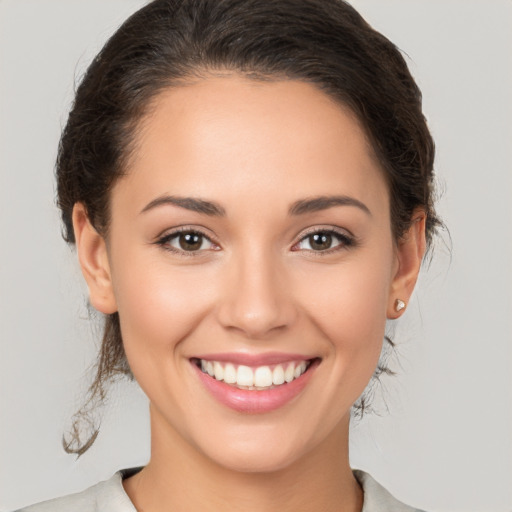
(249, 188)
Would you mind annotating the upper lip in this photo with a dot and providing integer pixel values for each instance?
(264, 359)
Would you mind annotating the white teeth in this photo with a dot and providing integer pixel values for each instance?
(245, 377)
(299, 370)
(219, 370)
(278, 375)
(263, 377)
(229, 374)
(289, 373)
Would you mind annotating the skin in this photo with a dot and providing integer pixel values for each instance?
(255, 149)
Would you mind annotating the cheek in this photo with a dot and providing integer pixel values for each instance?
(355, 296)
(349, 306)
(158, 305)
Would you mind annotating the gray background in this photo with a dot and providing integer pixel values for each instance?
(446, 443)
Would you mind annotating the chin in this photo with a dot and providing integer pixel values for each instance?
(254, 460)
(246, 448)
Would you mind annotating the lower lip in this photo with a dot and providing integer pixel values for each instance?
(255, 401)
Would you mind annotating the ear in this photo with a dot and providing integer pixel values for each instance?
(93, 258)
(409, 254)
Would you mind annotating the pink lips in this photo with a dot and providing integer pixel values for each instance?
(255, 401)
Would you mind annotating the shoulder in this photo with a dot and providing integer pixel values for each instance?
(107, 496)
(377, 498)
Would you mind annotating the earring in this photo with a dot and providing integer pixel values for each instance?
(399, 305)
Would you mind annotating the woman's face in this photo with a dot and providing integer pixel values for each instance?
(250, 239)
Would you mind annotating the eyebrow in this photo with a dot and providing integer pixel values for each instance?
(189, 203)
(316, 204)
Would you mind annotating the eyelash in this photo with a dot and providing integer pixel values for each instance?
(345, 241)
(166, 239)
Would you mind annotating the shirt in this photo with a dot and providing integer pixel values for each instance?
(109, 496)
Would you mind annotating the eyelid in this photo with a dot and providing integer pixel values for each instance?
(183, 228)
(325, 228)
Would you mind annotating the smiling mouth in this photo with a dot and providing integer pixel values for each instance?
(257, 378)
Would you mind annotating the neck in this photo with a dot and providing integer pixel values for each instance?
(179, 477)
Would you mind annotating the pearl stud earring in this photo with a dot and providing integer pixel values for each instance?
(399, 305)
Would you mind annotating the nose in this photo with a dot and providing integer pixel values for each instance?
(257, 299)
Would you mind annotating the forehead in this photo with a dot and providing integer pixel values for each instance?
(231, 136)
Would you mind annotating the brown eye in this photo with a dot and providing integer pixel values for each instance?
(190, 241)
(320, 241)
(187, 241)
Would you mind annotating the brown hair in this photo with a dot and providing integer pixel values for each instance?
(167, 42)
